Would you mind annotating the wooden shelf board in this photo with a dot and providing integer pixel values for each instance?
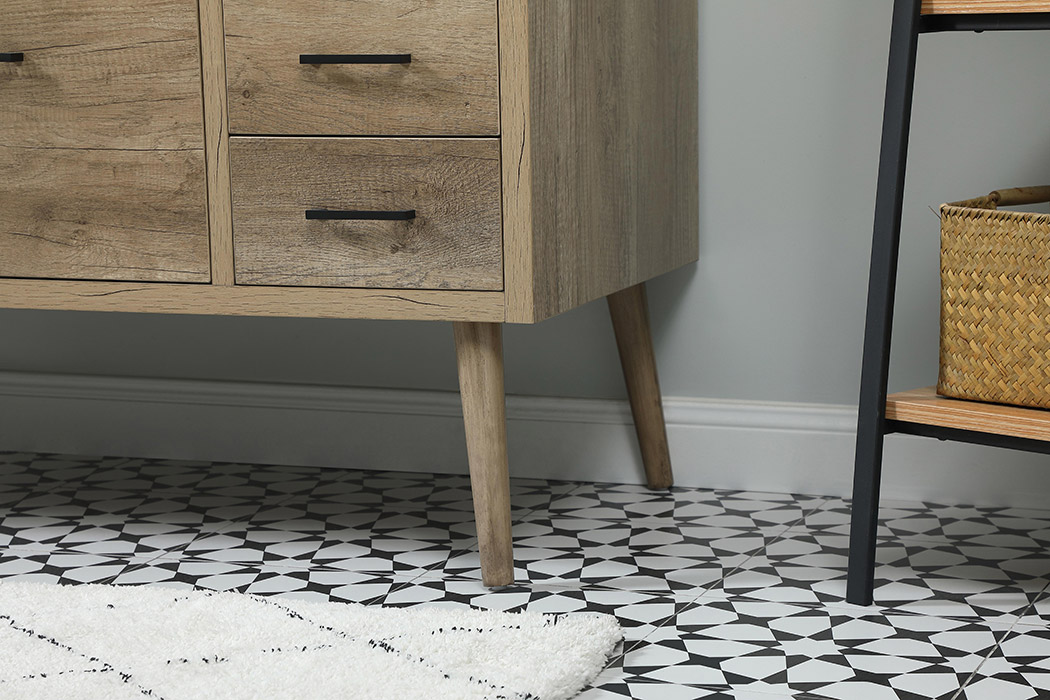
(924, 406)
(961, 7)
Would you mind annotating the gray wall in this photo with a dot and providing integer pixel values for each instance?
(791, 107)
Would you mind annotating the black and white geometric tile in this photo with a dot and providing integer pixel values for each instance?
(810, 650)
(1018, 668)
(722, 594)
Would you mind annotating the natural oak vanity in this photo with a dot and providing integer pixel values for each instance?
(471, 161)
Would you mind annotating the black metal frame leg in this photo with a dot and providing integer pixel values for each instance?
(882, 281)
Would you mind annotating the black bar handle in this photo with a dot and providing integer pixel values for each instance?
(315, 59)
(12, 57)
(352, 215)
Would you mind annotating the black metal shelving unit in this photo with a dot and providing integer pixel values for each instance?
(873, 426)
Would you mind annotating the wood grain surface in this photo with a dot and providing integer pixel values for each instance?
(629, 310)
(924, 406)
(216, 300)
(948, 7)
(101, 74)
(479, 355)
(217, 143)
(449, 88)
(103, 215)
(453, 185)
(600, 129)
(101, 141)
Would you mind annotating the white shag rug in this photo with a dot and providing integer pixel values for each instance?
(93, 642)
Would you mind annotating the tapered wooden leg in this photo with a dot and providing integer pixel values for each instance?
(479, 350)
(630, 316)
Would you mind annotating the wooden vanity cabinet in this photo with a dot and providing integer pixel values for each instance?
(474, 161)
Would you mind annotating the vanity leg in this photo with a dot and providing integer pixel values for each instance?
(479, 351)
(630, 317)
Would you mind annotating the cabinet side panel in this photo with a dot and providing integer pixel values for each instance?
(612, 145)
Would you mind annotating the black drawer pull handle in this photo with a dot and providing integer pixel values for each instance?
(12, 57)
(315, 59)
(333, 215)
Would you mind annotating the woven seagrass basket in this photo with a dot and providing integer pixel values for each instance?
(995, 300)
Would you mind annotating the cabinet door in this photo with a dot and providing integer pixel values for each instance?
(102, 141)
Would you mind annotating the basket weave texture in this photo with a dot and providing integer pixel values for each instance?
(995, 300)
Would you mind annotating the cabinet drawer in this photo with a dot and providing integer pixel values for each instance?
(102, 141)
(376, 213)
(449, 86)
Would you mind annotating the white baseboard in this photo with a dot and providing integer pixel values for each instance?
(761, 446)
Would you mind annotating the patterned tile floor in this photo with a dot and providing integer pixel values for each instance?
(723, 594)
